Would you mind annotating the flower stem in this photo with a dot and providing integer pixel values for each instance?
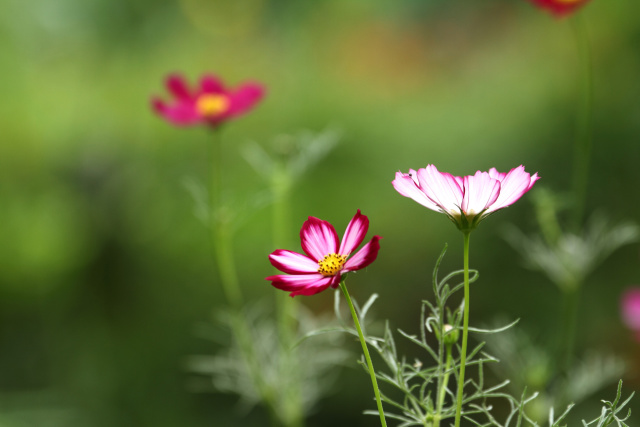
(221, 243)
(219, 222)
(287, 307)
(343, 288)
(582, 147)
(443, 387)
(465, 329)
(569, 320)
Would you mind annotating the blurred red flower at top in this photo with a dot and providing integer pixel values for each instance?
(559, 7)
(209, 104)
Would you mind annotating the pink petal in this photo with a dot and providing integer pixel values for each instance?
(558, 7)
(245, 98)
(630, 307)
(364, 256)
(211, 84)
(408, 186)
(442, 188)
(354, 235)
(307, 284)
(514, 184)
(292, 262)
(493, 173)
(182, 113)
(178, 87)
(318, 238)
(480, 191)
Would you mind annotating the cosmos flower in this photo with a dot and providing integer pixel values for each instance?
(326, 259)
(465, 200)
(210, 103)
(560, 8)
(630, 310)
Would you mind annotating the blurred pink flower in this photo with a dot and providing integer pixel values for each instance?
(465, 200)
(560, 7)
(326, 258)
(630, 310)
(209, 104)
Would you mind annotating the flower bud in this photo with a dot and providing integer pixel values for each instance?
(451, 335)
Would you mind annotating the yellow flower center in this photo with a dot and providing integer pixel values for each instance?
(211, 105)
(331, 264)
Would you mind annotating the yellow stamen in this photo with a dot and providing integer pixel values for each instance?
(331, 264)
(211, 105)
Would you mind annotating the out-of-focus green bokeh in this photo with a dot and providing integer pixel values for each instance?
(104, 270)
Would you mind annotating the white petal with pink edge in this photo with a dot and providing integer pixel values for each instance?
(307, 284)
(480, 191)
(364, 256)
(354, 235)
(442, 188)
(514, 184)
(408, 186)
(318, 238)
(292, 262)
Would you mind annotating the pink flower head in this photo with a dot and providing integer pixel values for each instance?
(326, 259)
(560, 8)
(465, 200)
(210, 103)
(630, 308)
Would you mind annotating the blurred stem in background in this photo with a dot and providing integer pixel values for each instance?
(583, 137)
(581, 160)
(221, 233)
(220, 223)
(281, 185)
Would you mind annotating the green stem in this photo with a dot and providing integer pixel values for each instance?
(443, 387)
(220, 225)
(465, 329)
(287, 307)
(569, 321)
(343, 287)
(221, 239)
(281, 190)
(583, 143)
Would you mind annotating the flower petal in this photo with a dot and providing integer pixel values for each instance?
(307, 284)
(292, 262)
(480, 191)
(178, 87)
(513, 185)
(364, 256)
(318, 238)
(442, 188)
(245, 98)
(631, 308)
(408, 186)
(354, 235)
(182, 113)
(559, 7)
(211, 84)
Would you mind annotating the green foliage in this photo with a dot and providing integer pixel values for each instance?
(423, 392)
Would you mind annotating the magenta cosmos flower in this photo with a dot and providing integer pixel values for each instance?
(465, 200)
(326, 259)
(630, 310)
(560, 7)
(210, 103)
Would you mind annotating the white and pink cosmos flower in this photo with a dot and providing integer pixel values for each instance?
(466, 200)
(630, 310)
(326, 259)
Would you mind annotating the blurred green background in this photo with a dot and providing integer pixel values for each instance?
(104, 270)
